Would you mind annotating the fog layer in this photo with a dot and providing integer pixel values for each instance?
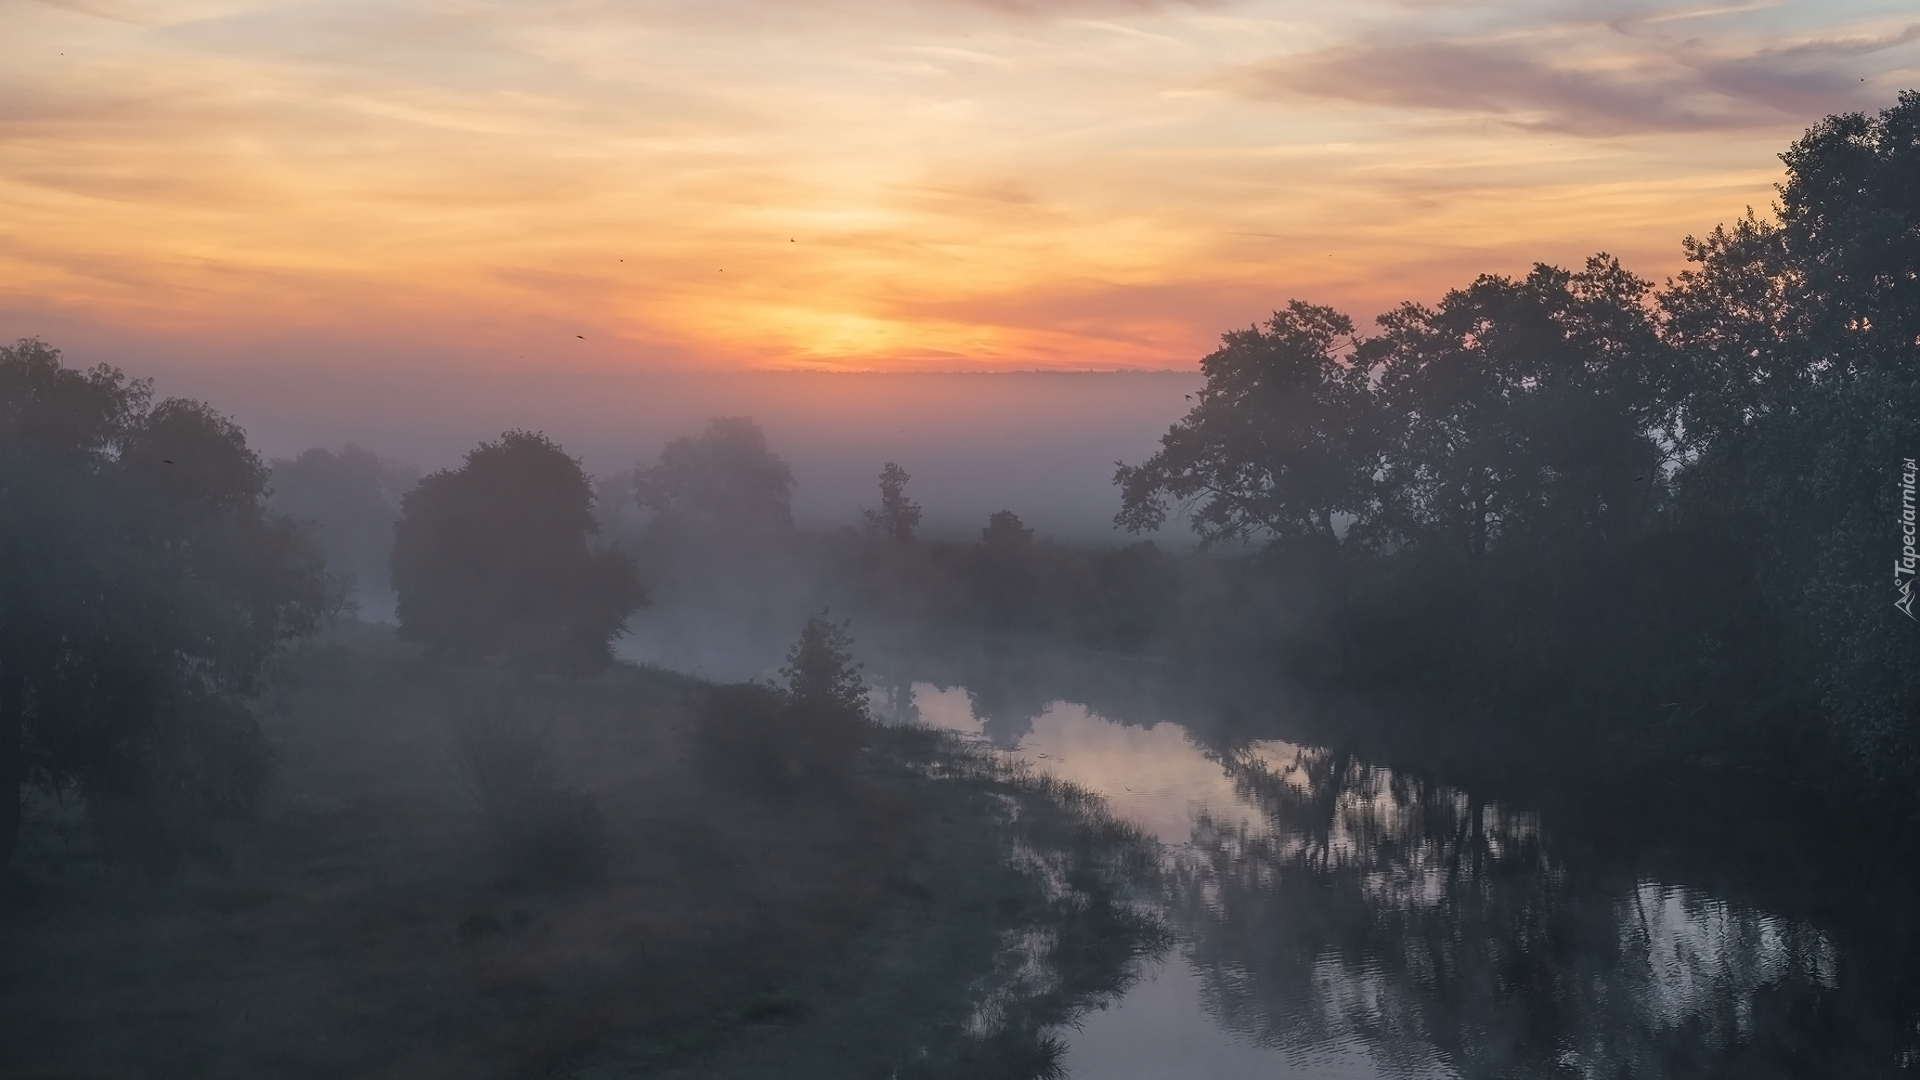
(1042, 444)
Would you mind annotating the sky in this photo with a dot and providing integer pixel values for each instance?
(488, 186)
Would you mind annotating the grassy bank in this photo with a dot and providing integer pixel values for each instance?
(935, 915)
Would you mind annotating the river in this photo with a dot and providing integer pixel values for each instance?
(1343, 920)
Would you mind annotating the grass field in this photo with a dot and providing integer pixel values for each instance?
(936, 915)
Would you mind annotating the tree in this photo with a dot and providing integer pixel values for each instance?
(821, 672)
(1004, 579)
(898, 515)
(723, 483)
(1280, 442)
(1803, 403)
(1006, 532)
(492, 560)
(351, 499)
(1538, 408)
(143, 587)
(775, 742)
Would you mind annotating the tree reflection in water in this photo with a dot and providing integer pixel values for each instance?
(1374, 906)
(1634, 933)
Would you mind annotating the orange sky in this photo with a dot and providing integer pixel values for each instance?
(944, 184)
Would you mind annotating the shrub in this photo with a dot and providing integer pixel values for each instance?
(773, 741)
(541, 832)
(495, 560)
(747, 739)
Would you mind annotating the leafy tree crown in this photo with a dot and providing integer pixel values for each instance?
(897, 516)
(821, 672)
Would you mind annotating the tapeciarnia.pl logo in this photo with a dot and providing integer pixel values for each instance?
(1903, 567)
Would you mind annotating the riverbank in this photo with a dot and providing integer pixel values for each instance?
(360, 925)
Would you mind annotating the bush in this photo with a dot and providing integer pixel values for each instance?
(541, 832)
(768, 740)
(751, 738)
(495, 560)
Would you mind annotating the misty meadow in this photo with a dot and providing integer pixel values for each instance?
(1520, 684)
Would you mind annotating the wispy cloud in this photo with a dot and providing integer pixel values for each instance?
(822, 182)
(1599, 79)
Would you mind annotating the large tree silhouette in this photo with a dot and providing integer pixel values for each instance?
(492, 560)
(1535, 409)
(143, 586)
(1579, 485)
(1279, 442)
(1802, 342)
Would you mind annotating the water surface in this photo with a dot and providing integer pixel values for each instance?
(1340, 919)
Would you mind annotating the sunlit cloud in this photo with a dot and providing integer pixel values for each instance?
(839, 183)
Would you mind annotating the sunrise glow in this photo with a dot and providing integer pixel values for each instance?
(842, 184)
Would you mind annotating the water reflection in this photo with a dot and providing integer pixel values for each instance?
(1342, 919)
(1370, 904)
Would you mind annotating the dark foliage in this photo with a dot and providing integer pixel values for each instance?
(541, 831)
(1801, 338)
(1568, 505)
(1663, 518)
(1137, 597)
(1006, 532)
(821, 673)
(808, 736)
(724, 483)
(143, 586)
(747, 741)
(1278, 443)
(1532, 413)
(897, 515)
(492, 560)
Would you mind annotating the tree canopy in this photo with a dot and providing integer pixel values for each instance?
(1729, 452)
(724, 482)
(1529, 410)
(821, 672)
(897, 516)
(1279, 442)
(1515, 407)
(492, 560)
(1802, 342)
(1006, 532)
(143, 587)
